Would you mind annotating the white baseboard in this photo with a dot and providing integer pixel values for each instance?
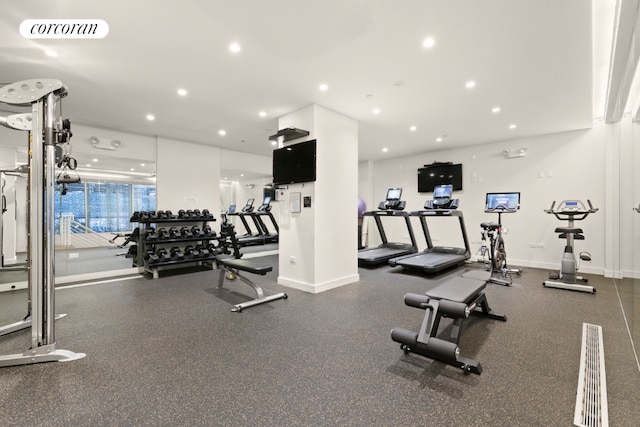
(320, 287)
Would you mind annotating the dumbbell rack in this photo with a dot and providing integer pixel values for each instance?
(147, 243)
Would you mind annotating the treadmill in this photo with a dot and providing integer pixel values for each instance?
(262, 211)
(437, 258)
(391, 207)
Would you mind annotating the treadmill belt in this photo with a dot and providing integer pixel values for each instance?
(431, 262)
(380, 255)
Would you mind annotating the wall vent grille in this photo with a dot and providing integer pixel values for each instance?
(591, 399)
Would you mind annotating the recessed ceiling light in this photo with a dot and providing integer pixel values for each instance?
(132, 169)
(234, 47)
(151, 117)
(142, 164)
(273, 142)
(241, 174)
(262, 114)
(384, 150)
(182, 92)
(512, 126)
(323, 87)
(439, 139)
(495, 110)
(376, 111)
(88, 165)
(413, 128)
(51, 53)
(222, 132)
(470, 84)
(428, 42)
(94, 160)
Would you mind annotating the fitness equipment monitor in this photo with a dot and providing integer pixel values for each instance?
(232, 209)
(442, 198)
(394, 194)
(393, 202)
(443, 191)
(266, 200)
(502, 202)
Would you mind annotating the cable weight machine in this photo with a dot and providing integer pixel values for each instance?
(47, 130)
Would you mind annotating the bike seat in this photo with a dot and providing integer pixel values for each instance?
(489, 226)
(569, 230)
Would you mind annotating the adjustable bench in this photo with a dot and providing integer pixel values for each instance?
(456, 298)
(231, 268)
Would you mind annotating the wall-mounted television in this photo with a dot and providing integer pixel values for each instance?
(295, 163)
(436, 174)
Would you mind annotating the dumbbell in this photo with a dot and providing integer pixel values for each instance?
(176, 253)
(208, 232)
(152, 215)
(144, 215)
(196, 213)
(169, 214)
(174, 233)
(203, 250)
(182, 213)
(163, 233)
(206, 213)
(191, 252)
(151, 234)
(151, 258)
(196, 232)
(161, 214)
(163, 255)
(186, 233)
(135, 217)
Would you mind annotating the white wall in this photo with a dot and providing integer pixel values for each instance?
(187, 176)
(556, 167)
(132, 146)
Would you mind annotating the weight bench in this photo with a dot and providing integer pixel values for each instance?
(457, 298)
(230, 269)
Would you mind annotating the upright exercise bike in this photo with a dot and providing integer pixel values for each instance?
(571, 211)
(499, 203)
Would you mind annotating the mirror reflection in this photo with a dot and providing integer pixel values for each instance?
(93, 204)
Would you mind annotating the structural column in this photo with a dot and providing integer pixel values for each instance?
(318, 246)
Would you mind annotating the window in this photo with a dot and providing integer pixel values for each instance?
(104, 206)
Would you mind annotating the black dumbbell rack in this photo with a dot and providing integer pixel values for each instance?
(170, 239)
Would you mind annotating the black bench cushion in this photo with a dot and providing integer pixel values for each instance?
(459, 289)
(245, 265)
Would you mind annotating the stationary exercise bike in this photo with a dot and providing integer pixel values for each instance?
(498, 203)
(571, 211)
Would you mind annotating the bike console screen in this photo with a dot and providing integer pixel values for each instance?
(502, 202)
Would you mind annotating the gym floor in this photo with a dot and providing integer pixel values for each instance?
(170, 352)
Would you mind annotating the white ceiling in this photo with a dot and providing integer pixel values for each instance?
(533, 59)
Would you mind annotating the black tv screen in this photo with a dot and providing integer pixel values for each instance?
(295, 163)
(431, 176)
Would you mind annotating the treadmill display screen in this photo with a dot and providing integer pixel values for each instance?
(394, 194)
(249, 203)
(442, 191)
(504, 202)
(232, 209)
(266, 200)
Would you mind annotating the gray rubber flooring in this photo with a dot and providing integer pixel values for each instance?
(169, 352)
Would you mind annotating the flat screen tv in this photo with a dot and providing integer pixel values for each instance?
(295, 163)
(430, 176)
